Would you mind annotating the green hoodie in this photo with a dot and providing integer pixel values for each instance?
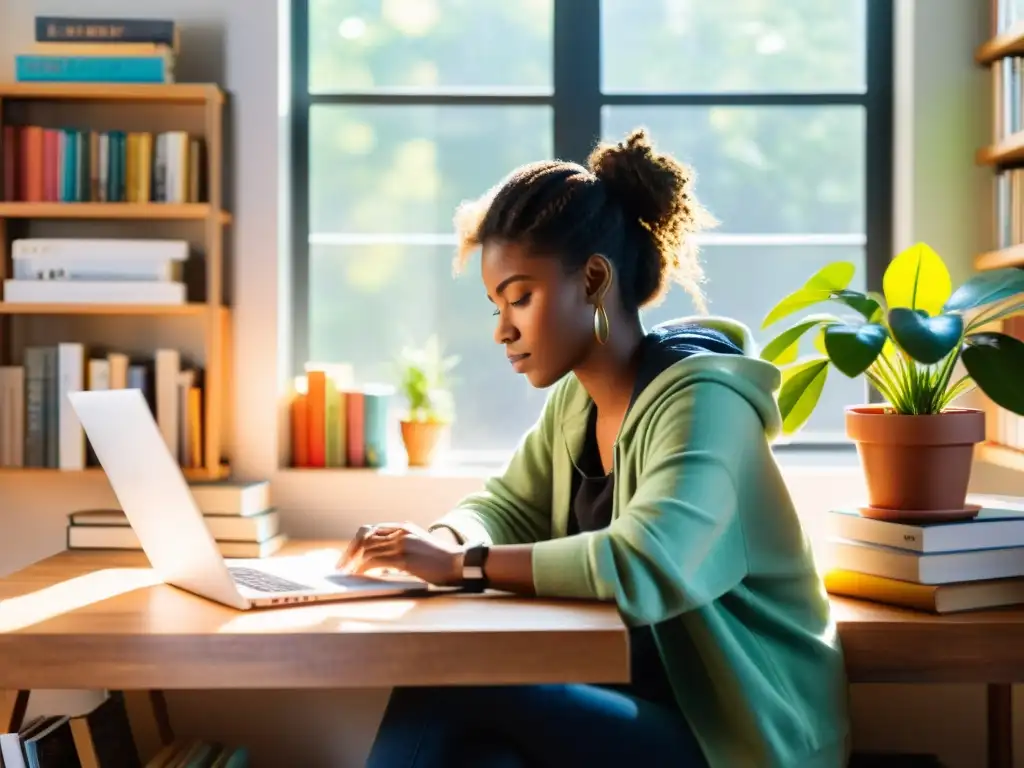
(704, 546)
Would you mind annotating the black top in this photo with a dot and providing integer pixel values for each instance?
(593, 490)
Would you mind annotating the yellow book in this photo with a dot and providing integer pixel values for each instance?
(332, 457)
(933, 598)
(144, 175)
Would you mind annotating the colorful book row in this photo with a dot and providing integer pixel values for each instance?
(38, 427)
(42, 164)
(333, 426)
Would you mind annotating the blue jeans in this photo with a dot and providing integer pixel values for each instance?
(531, 725)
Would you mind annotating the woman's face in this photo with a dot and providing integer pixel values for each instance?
(543, 316)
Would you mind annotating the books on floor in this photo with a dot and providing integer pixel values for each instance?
(238, 515)
(940, 567)
(103, 738)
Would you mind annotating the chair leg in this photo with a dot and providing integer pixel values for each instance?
(1000, 725)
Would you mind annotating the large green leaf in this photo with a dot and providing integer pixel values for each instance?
(996, 363)
(926, 339)
(866, 304)
(986, 288)
(917, 279)
(819, 287)
(800, 391)
(853, 348)
(783, 349)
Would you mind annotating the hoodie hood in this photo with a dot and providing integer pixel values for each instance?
(690, 349)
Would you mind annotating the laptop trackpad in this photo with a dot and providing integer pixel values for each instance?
(356, 582)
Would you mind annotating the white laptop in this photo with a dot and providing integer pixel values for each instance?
(157, 501)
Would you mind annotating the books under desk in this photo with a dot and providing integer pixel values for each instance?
(940, 567)
(38, 427)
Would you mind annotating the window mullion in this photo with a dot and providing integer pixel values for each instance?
(577, 78)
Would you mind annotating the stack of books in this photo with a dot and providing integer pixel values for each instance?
(938, 567)
(103, 738)
(74, 49)
(237, 514)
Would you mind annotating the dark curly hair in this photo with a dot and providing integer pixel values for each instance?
(631, 204)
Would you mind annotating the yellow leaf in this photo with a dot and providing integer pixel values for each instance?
(917, 279)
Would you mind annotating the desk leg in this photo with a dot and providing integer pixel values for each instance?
(1000, 726)
(12, 710)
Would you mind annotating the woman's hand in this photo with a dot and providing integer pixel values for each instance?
(404, 547)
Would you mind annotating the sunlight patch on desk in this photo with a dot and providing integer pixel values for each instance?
(354, 616)
(34, 607)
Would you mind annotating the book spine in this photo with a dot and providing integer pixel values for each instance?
(32, 68)
(105, 30)
(71, 437)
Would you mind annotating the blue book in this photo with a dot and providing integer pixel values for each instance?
(376, 406)
(41, 68)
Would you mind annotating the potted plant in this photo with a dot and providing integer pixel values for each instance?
(921, 345)
(424, 382)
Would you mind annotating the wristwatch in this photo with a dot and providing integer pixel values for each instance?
(474, 557)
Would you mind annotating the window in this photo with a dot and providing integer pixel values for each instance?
(405, 107)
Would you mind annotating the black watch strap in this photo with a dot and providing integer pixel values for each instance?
(474, 577)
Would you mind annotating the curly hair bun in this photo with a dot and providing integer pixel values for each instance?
(657, 191)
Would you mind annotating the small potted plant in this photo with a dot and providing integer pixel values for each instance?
(424, 381)
(921, 345)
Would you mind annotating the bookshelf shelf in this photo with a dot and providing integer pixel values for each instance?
(1009, 43)
(191, 473)
(191, 113)
(1005, 257)
(194, 309)
(1009, 150)
(164, 211)
(175, 93)
(1000, 455)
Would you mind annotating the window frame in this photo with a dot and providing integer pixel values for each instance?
(576, 101)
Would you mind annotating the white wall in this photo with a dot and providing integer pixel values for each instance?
(941, 198)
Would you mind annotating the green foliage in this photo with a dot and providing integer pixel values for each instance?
(424, 380)
(907, 341)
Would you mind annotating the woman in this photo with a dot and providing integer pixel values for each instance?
(648, 481)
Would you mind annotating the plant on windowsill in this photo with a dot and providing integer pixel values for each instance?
(910, 342)
(424, 380)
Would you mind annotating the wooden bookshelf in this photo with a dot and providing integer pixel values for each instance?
(1000, 455)
(162, 211)
(173, 93)
(1004, 257)
(1008, 43)
(201, 473)
(194, 309)
(1009, 150)
(197, 108)
(1005, 156)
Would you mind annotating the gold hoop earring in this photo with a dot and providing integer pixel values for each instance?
(601, 328)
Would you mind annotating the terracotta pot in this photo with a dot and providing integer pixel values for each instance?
(916, 467)
(421, 439)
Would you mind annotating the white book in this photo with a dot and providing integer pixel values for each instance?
(93, 292)
(70, 435)
(920, 568)
(257, 528)
(124, 537)
(999, 523)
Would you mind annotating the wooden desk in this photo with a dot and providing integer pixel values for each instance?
(100, 620)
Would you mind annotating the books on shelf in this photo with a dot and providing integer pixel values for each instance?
(97, 271)
(68, 164)
(1002, 426)
(335, 423)
(100, 50)
(103, 738)
(238, 515)
(38, 426)
(938, 567)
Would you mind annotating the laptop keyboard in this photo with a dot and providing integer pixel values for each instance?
(265, 582)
